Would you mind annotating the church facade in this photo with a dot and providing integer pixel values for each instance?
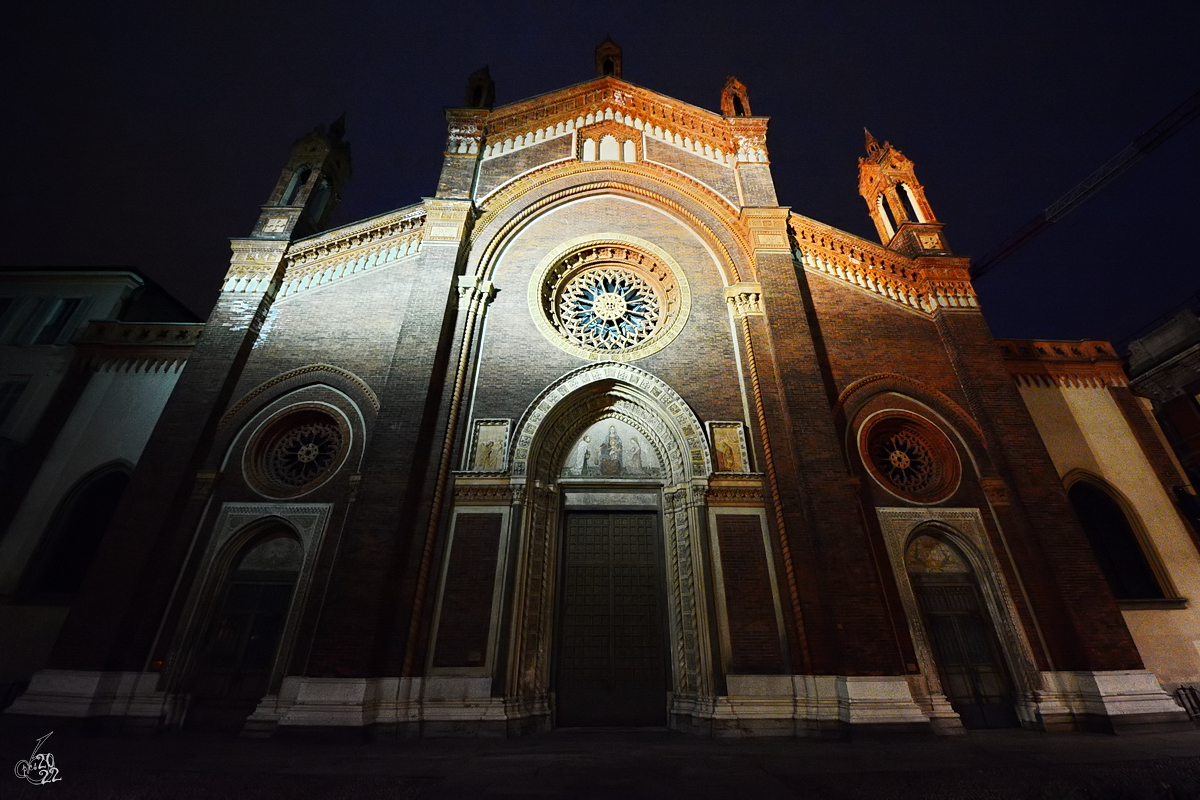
(602, 434)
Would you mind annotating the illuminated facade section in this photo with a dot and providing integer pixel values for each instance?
(600, 434)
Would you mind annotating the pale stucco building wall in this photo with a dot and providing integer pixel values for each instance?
(1084, 430)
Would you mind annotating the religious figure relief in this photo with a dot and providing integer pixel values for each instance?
(611, 448)
(729, 447)
(610, 453)
(488, 446)
(929, 555)
(633, 457)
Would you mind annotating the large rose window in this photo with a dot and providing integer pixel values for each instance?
(609, 300)
(609, 308)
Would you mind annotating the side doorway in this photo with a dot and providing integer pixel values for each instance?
(236, 656)
(611, 666)
(969, 660)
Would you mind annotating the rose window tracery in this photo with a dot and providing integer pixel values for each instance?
(910, 458)
(296, 452)
(608, 308)
(616, 300)
(304, 453)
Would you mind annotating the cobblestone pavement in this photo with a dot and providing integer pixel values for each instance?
(613, 764)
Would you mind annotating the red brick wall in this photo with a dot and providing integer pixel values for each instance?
(753, 633)
(467, 597)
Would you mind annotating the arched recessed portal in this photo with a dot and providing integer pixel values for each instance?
(614, 464)
(969, 660)
(239, 647)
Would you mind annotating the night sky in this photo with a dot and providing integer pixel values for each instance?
(146, 135)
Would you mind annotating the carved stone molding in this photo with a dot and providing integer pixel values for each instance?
(996, 491)
(965, 527)
(470, 492)
(745, 298)
(733, 492)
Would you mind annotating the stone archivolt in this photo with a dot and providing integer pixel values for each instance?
(693, 191)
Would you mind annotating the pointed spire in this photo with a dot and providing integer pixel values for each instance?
(873, 148)
(337, 128)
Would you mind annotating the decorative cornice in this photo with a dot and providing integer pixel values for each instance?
(549, 115)
(355, 248)
(1090, 363)
(481, 492)
(924, 285)
(735, 492)
(136, 346)
(1166, 381)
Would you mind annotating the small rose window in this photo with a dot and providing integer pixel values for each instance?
(909, 457)
(297, 452)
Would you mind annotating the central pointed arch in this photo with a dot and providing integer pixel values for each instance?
(545, 434)
(549, 424)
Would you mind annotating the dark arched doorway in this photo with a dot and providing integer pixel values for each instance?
(969, 660)
(233, 668)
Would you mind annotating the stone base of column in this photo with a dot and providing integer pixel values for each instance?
(85, 694)
(1117, 701)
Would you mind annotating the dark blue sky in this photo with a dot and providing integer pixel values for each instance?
(146, 135)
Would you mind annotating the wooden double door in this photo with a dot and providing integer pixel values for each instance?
(968, 656)
(611, 666)
(236, 658)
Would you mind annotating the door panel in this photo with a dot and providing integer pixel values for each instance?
(235, 662)
(611, 660)
(968, 658)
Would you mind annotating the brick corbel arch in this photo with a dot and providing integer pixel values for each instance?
(298, 378)
(506, 215)
(856, 395)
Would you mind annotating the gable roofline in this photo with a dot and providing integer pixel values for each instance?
(652, 107)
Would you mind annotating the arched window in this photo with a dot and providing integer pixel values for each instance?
(885, 214)
(610, 67)
(589, 149)
(609, 149)
(298, 182)
(739, 110)
(73, 538)
(1115, 544)
(320, 200)
(909, 203)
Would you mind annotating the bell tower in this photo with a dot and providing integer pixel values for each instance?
(896, 201)
(309, 186)
(608, 59)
